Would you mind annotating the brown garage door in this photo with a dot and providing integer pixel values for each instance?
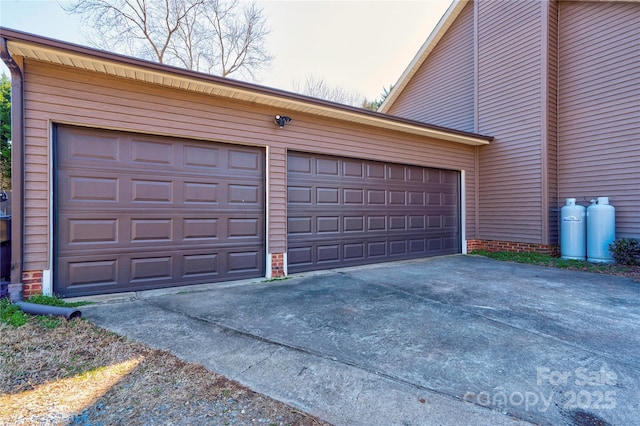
(137, 212)
(343, 212)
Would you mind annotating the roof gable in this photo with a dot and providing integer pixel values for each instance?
(434, 38)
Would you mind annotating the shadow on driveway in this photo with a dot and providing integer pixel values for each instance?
(449, 340)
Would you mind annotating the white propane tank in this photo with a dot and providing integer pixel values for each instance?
(573, 231)
(601, 230)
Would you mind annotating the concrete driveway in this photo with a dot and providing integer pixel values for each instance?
(447, 341)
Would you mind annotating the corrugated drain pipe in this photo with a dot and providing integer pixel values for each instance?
(17, 169)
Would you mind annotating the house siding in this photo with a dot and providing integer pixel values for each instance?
(551, 99)
(442, 90)
(599, 107)
(510, 108)
(58, 94)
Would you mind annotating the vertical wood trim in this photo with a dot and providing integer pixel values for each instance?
(267, 210)
(277, 207)
(463, 211)
(544, 125)
(47, 275)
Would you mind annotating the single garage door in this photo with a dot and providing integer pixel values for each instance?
(136, 212)
(343, 212)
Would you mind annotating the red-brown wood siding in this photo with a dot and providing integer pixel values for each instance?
(599, 107)
(510, 106)
(57, 94)
(441, 91)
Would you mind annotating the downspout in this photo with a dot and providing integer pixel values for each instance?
(17, 169)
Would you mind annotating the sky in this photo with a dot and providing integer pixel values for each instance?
(360, 46)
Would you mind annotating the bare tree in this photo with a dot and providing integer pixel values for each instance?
(215, 36)
(319, 88)
(225, 38)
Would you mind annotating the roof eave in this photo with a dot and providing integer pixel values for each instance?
(62, 53)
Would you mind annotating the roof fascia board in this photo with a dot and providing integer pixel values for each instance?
(62, 53)
(434, 38)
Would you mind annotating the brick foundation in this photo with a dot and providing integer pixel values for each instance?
(31, 283)
(514, 247)
(277, 265)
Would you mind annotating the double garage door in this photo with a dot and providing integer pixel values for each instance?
(139, 212)
(136, 212)
(344, 212)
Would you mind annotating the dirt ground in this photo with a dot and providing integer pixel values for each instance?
(80, 374)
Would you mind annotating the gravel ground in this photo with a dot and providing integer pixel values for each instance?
(79, 374)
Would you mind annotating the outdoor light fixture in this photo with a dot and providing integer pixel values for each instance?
(281, 120)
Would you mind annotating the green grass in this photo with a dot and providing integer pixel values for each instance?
(270, 280)
(555, 262)
(54, 301)
(12, 315)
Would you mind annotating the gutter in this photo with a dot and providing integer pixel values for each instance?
(17, 169)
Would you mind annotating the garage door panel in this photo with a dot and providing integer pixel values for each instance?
(92, 189)
(352, 168)
(151, 230)
(104, 149)
(313, 225)
(301, 195)
(300, 256)
(299, 225)
(92, 230)
(244, 160)
(376, 223)
(244, 194)
(376, 171)
(328, 253)
(145, 152)
(200, 157)
(200, 193)
(200, 229)
(298, 164)
(346, 211)
(354, 251)
(201, 264)
(143, 270)
(376, 196)
(88, 272)
(376, 249)
(242, 262)
(152, 191)
(150, 212)
(327, 167)
(151, 268)
(96, 231)
(415, 174)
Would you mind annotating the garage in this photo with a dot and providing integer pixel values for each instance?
(344, 212)
(135, 212)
